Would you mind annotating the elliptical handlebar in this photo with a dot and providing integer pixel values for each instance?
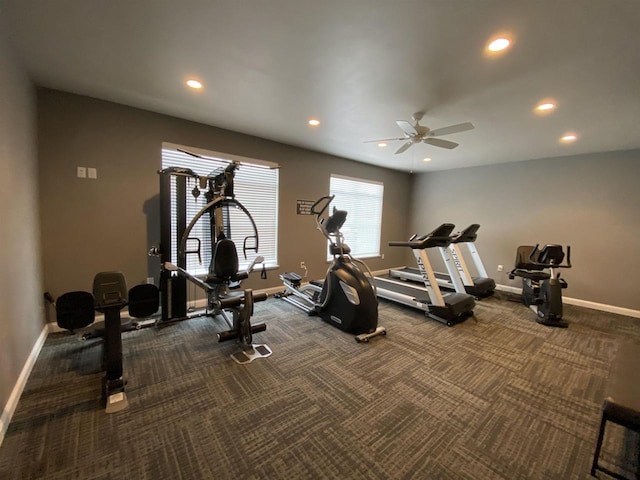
(328, 198)
(329, 226)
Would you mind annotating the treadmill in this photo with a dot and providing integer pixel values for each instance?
(461, 280)
(447, 308)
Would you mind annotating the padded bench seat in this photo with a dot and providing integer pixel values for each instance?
(622, 401)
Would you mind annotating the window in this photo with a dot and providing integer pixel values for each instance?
(255, 187)
(362, 199)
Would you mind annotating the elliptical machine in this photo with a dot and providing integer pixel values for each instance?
(346, 299)
(541, 285)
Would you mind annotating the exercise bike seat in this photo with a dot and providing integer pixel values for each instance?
(530, 274)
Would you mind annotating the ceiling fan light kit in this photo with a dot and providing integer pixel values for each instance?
(416, 133)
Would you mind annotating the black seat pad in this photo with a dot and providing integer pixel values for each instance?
(144, 300)
(75, 310)
(531, 274)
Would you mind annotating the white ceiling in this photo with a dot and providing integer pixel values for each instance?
(357, 65)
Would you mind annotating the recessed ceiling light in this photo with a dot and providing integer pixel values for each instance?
(426, 159)
(545, 106)
(314, 123)
(195, 84)
(568, 138)
(382, 144)
(499, 44)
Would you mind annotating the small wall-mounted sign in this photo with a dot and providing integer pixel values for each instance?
(303, 207)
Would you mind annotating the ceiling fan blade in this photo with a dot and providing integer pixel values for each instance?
(404, 147)
(438, 142)
(461, 127)
(384, 140)
(407, 127)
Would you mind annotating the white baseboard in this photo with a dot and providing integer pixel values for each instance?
(581, 303)
(12, 403)
(54, 328)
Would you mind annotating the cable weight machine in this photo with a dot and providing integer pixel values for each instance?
(212, 240)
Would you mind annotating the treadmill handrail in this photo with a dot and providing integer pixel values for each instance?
(469, 234)
(440, 237)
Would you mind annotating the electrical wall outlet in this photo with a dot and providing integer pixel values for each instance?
(499, 268)
(302, 265)
(81, 172)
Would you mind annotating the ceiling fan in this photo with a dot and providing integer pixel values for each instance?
(419, 133)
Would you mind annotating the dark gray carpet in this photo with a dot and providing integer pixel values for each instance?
(498, 397)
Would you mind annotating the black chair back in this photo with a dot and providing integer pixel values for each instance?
(224, 263)
(109, 290)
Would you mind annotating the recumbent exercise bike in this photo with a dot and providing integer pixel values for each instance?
(77, 310)
(541, 285)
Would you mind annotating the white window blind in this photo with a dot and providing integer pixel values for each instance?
(362, 199)
(255, 187)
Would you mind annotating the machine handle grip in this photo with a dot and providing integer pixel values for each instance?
(233, 334)
(236, 301)
(260, 297)
(568, 265)
(404, 244)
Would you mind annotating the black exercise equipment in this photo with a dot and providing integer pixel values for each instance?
(176, 242)
(76, 310)
(213, 239)
(346, 298)
(541, 285)
(447, 308)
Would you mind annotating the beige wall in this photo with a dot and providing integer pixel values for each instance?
(590, 202)
(587, 201)
(86, 226)
(21, 315)
(110, 223)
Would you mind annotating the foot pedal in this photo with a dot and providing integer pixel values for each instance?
(364, 337)
(293, 278)
(117, 402)
(247, 356)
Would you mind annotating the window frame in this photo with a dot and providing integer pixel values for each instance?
(256, 187)
(359, 215)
